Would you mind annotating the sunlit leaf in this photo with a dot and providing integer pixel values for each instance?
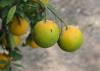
(10, 39)
(11, 14)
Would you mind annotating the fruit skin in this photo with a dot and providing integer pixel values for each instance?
(4, 57)
(71, 38)
(45, 33)
(16, 40)
(32, 43)
(44, 1)
(19, 26)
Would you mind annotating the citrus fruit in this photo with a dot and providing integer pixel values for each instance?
(16, 40)
(43, 1)
(45, 33)
(32, 43)
(4, 58)
(70, 39)
(19, 26)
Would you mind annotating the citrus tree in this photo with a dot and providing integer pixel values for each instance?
(18, 16)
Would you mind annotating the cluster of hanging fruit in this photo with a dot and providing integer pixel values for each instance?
(17, 16)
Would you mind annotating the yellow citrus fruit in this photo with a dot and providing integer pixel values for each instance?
(43, 1)
(5, 58)
(16, 40)
(19, 26)
(45, 33)
(70, 39)
(32, 43)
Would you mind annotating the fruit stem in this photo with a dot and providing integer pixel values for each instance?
(46, 14)
(62, 21)
(45, 9)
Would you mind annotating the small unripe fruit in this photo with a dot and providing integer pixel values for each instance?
(19, 26)
(45, 33)
(70, 39)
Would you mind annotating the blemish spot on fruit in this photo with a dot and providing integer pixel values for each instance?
(66, 27)
(51, 30)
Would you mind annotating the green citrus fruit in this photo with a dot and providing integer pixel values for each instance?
(70, 39)
(45, 33)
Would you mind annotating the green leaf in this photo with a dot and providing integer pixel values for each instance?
(4, 3)
(8, 68)
(3, 62)
(11, 14)
(15, 55)
(10, 40)
(4, 12)
(25, 0)
(18, 65)
(0, 23)
(20, 13)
